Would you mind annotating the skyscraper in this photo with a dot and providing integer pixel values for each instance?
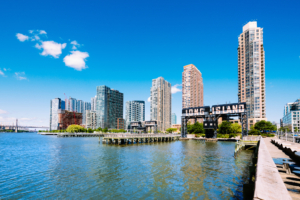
(71, 104)
(79, 106)
(55, 108)
(161, 103)
(93, 103)
(135, 111)
(86, 106)
(174, 118)
(109, 107)
(192, 87)
(251, 72)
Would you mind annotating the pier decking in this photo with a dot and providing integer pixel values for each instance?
(138, 138)
(80, 135)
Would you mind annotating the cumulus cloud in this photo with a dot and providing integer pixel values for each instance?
(76, 60)
(75, 44)
(22, 37)
(42, 32)
(149, 99)
(2, 73)
(3, 112)
(51, 48)
(20, 76)
(175, 89)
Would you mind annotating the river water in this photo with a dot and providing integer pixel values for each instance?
(33, 166)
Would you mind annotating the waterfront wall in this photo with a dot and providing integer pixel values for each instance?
(268, 182)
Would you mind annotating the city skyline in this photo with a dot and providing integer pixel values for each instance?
(118, 55)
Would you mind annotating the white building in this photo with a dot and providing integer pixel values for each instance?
(91, 119)
(135, 111)
(161, 103)
(93, 103)
(56, 105)
(291, 117)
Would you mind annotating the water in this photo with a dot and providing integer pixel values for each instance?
(38, 167)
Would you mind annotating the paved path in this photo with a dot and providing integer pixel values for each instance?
(292, 182)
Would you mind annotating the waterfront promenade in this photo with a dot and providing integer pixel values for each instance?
(291, 181)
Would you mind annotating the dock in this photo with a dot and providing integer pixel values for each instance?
(138, 138)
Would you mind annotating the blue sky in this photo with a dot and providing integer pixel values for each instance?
(126, 44)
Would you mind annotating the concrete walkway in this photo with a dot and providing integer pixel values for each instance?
(291, 181)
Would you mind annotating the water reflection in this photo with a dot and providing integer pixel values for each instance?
(35, 166)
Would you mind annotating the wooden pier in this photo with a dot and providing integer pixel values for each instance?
(138, 138)
(80, 135)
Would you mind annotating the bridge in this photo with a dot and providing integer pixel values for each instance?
(16, 127)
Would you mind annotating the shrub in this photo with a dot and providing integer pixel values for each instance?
(254, 132)
(75, 128)
(232, 135)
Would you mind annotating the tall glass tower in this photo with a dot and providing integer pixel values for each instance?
(251, 72)
(174, 118)
(109, 107)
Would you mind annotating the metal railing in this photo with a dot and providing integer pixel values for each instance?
(289, 136)
(251, 138)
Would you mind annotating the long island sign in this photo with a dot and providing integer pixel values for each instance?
(234, 108)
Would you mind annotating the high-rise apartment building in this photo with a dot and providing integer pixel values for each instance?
(79, 106)
(71, 105)
(135, 111)
(291, 116)
(91, 119)
(109, 107)
(93, 103)
(86, 106)
(161, 103)
(174, 118)
(251, 72)
(55, 108)
(192, 87)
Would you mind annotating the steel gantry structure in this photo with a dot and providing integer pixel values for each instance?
(211, 115)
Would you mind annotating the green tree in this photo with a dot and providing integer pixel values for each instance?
(236, 128)
(264, 126)
(296, 129)
(75, 128)
(171, 130)
(225, 127)
(198, 128)
(190, 128)
(105, 130)
(90, 130)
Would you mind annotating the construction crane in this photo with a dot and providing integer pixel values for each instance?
(70, 107)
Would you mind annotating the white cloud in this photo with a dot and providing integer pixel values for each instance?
(20, 76)
(35, 38)
(51, 48)
(22, 37)
(42, 32)
(3, 112)
(149, 99)
(76, 60)
(75, 44)
(4, 69)
(2, 73)
(175, 89)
